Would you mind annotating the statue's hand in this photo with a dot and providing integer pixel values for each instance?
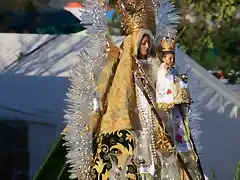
(184, 78)
(113, 52)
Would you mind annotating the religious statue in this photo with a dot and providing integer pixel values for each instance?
(124, 137)
(173, 96)
(115, 135)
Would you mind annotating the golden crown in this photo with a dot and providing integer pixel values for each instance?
(168, 44)
(137, 14)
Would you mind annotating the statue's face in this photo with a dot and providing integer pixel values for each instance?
(145, 45)
(169, 59)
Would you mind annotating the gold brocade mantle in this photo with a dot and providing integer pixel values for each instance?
(120, 110)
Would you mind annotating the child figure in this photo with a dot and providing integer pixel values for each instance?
(172, 96)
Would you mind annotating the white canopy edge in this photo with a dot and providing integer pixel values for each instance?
(214, 83)
(22, 95)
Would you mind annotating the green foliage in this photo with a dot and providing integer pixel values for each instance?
(209, 27)
(214, 177)
(237, 173)
(215, 27)
(16, 5)
(54, 166)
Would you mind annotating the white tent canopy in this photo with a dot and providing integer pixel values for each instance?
(33, 88)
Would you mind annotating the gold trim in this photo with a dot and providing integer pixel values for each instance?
(136, 15)
(165, 106)
(120, 110)
(182, 96)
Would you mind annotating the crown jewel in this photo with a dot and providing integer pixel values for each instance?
(137, 14)
(168, 44)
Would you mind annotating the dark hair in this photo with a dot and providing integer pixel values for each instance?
(138, 52)
(163, 54)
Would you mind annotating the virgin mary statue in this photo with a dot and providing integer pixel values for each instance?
(115, 148)
(126, 136)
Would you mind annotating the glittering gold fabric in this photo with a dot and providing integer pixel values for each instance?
(102, 3)
(114, 148)
(121, 99)
(162, 142)
(165, 106)
(137, 14)
(104, 84)
(181, 95)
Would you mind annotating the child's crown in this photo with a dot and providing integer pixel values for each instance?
(168, 44)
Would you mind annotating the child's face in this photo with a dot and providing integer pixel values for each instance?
(169, 59)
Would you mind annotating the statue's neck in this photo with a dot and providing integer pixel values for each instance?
(142, 57)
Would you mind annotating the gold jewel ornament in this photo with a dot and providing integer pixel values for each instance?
(113, 51)
(168, 44)
(136, 15)
(102, 3)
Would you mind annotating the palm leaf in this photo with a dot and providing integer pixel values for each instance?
(55, 167)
